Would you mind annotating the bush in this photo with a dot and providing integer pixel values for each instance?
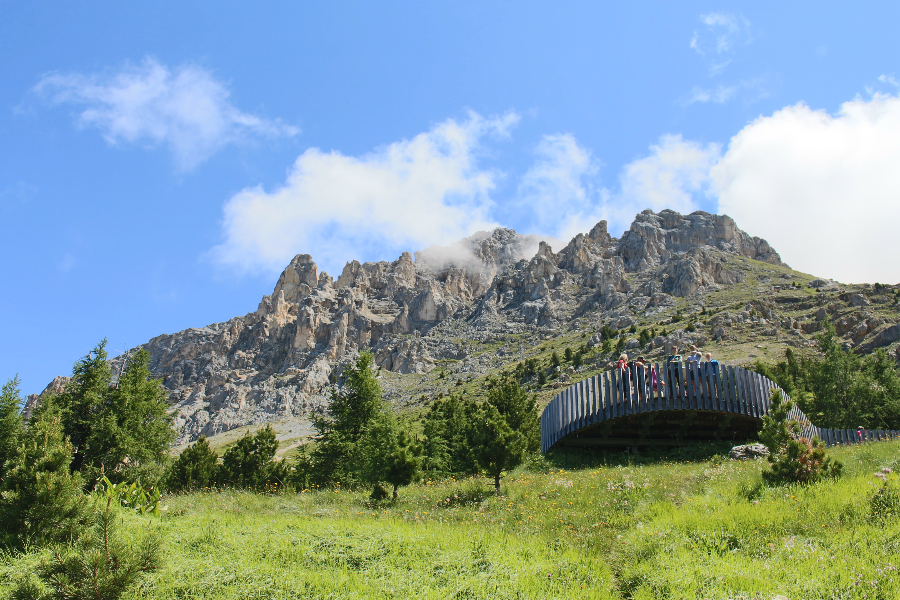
(99, 564)
(194, 468)
(248, 464)
(837, 388)
(793, 459)
(41, 501)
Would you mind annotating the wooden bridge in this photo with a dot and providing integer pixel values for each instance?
(624, 409)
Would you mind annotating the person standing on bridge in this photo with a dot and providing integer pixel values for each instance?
(709, 369)
(673, 371)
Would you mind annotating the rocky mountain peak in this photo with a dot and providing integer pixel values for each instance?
(277, 361)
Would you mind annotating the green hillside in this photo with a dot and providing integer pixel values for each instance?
(675, 527)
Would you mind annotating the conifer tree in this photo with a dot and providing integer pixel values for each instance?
(793, 459)
(248, 464)
(40, 499)
(506, 431)
(12, 428)
(497, 447)
(194, 468)
(122, 431)
(448, 431)
(390, 452)
(336, 456)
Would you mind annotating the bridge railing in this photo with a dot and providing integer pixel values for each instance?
(676, 386)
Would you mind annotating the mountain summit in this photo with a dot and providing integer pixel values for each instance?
(489, 301)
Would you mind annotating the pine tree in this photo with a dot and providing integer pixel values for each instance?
(121, 431)
(447, 428)
(40, 499)
(577, 359)
(568, 354)
(352, 408)
(83, 400)
(793, 459)
(132, 431)
(390, 452)
(497, 447)
(12, 429)
(507, 430)
(194, 468)
(248, 464)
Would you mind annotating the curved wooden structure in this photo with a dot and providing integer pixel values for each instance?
(616, 409)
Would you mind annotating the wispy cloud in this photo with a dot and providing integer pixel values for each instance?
(184, 108)
(889, 79)
(719, 37)
(561, 191)
(66, 263)
(20, 192)
(748, 91)
(718, 95)
(407, 195)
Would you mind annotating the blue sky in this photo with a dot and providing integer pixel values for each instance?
(161, 163)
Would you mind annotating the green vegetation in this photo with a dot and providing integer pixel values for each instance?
(692, 529)
(120, 430)
(837, 388)
(794, 459)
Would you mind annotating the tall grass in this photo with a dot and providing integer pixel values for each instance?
(686, 528)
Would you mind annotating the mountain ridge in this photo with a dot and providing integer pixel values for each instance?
(440, 307)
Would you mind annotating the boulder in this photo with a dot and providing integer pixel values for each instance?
(748, 452)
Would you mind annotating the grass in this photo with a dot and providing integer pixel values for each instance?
(575, 525)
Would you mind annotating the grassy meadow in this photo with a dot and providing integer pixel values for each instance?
(576, 525)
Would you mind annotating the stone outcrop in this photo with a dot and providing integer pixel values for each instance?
(279, 361)
(656, 238)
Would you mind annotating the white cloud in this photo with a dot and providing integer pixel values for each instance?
(66, 263)
(186, 109)
(823, 189)
(560, 191)
(674, 175)
(407, 195)
(563, 192)
(749, 90)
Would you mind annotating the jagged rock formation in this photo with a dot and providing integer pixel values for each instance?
(417, 311)
(278, 360)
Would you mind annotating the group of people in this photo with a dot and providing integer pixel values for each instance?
(694, 361)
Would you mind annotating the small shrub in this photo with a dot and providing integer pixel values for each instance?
(99, 565)
(194, 468)
(793, 459)
(884, 506)
(41, 501)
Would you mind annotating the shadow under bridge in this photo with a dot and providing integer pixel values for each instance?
(685, 404)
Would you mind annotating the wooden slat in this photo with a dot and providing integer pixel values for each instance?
(657, 393)
(703, 382)
(607, 390)
(586, 401)
(690, 386)
(614, 393)
(755, 393)
(635, 391)
(733, 391)
(760, 392)
(724, 393)
(643, 404)
(741, 405)
(579, 399)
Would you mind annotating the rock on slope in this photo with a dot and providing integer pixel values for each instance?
(278, 361)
